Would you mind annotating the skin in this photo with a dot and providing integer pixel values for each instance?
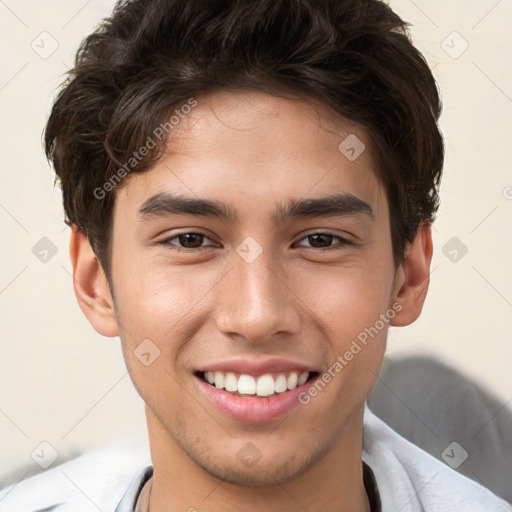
(253, 152)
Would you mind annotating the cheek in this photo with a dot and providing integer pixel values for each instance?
(347, 300)
(152, 299)
(352, 309)
(152, 308)
(165, 306)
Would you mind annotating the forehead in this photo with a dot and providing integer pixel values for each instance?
(248, 147)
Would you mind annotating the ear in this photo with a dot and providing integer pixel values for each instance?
(413, 277)
(91, 285)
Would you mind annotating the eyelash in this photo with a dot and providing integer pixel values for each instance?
(341, 240)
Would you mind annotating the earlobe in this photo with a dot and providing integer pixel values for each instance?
(91, 285)
(413, 277)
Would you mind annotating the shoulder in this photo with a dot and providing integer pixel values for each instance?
(411, 480)
(94, 481)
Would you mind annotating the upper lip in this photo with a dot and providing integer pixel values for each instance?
(257, 367)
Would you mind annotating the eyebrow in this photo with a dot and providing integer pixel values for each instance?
(332, 205)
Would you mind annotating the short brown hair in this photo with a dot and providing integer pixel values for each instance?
(150, 56)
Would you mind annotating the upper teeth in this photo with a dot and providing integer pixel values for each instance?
(265, 385)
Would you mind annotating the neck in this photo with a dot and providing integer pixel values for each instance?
(334, 483)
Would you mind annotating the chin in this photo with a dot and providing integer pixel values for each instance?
(267, 471)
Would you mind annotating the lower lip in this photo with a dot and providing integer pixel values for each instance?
(251, 409)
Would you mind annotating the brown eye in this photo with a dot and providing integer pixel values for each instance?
(320, 240)
(191, 240)
(323, 241)
(187, 241)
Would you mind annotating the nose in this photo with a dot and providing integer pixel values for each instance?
(256, 301)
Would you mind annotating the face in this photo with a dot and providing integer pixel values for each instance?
(253, 255)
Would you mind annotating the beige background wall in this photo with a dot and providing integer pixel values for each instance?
(64, 384)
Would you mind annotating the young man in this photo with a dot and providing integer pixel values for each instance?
(251, 187)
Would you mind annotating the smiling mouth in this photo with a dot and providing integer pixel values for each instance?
(266, 385)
